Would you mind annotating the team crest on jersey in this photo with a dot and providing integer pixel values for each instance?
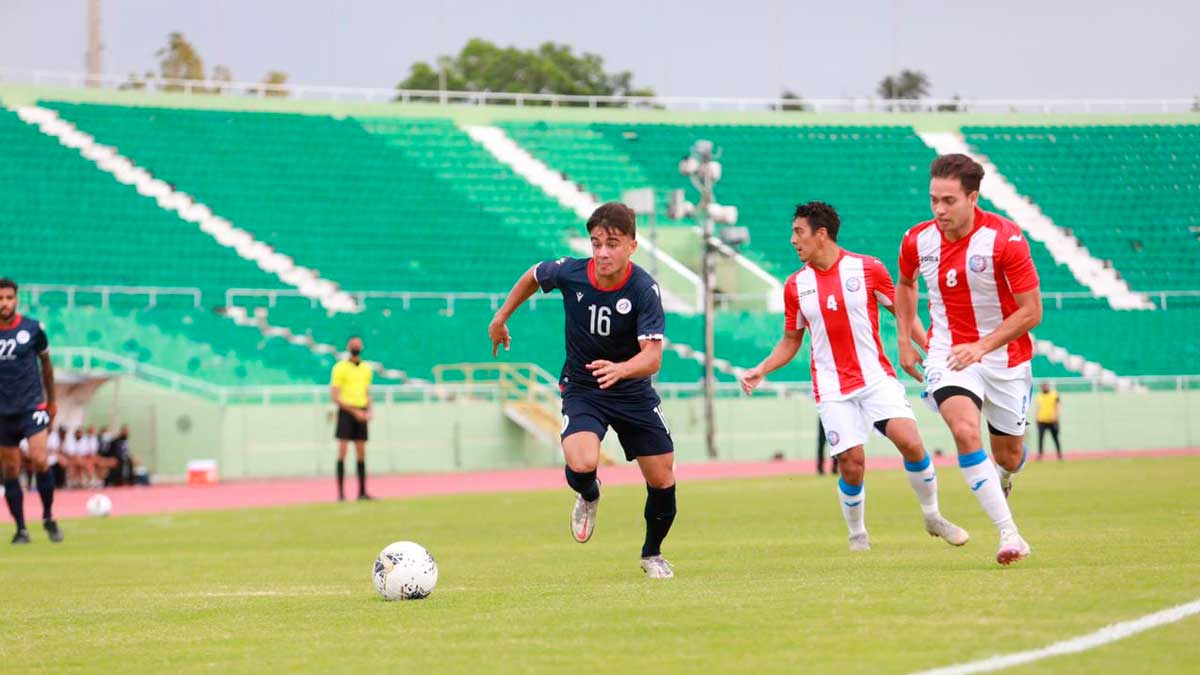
(832, 437)
(624, 305)
(578, 296)
(978, 263)
(22, 337)
(853, 284)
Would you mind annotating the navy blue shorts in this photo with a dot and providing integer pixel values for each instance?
(638, 420)
(15, 428)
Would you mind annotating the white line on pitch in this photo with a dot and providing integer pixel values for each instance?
(1117, 631)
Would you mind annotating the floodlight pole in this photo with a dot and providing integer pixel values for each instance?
(708, 267)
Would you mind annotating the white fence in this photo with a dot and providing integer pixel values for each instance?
(864, 104)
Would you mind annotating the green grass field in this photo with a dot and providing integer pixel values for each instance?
(764, 583)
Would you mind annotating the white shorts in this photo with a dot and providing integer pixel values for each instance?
(1004, 393)
(848, 422)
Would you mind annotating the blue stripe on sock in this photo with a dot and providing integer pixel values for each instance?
(849, 490)
(914, 467)
(977, 457)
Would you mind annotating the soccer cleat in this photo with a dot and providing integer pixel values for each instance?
(1012, 548)
(583, 519)
(21, 537)
(364, 497)
(51, 526)
(938, 526)
(860, 542)
(657, 567)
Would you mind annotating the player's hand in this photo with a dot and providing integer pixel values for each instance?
(367, 415)
(606, 373)
(911, 362)
(361, 415)
(750, 379)
(964, 355)
(52, 410)
(498, 332)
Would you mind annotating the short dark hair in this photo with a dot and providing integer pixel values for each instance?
(818, 215)
(968, 172)
(613, 216)
(8, 283)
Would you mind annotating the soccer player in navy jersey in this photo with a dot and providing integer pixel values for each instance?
(614, 340)
(26, 409)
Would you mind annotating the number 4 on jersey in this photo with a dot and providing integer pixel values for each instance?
(831, 303)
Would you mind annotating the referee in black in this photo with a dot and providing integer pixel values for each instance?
(349, 386)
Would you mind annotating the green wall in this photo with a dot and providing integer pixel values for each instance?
(168, 429)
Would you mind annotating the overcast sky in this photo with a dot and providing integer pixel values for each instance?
(1005, 49)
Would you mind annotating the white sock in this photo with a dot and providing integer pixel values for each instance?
(923, 480)
(854, 506)
(984, 481)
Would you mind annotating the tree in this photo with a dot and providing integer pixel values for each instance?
(179, 60)
(791, 101)
(272, 81)
(909, 84)
(551, 68)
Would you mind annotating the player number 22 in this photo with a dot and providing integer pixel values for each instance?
(8, 347)
(601, 319)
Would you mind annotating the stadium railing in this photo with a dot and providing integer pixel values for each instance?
(37, 293)
(702, 103)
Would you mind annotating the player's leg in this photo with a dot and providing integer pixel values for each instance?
(846, 432)
(581, 453)
(659, 473)
(1054, 435)
(922, 477)
(10, 467)
(360, 466)
(45, 481)
(1005, 404)
(1042, 427)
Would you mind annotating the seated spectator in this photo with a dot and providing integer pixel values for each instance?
(72, 456)
(119, 462)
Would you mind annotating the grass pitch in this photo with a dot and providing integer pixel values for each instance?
(765, 583)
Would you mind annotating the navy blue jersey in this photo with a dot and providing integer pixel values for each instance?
(603, 324)
(20, 380)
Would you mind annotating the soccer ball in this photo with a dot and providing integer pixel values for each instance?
(404, 571)
(99, 505)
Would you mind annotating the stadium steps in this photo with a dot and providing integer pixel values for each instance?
(127, 172)
(1100, 279)
(1128, 193)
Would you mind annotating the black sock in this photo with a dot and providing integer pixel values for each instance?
(585, 484)
(341, 476)
(16, 501)
(45, 488)
(660, 513)
(361, 467)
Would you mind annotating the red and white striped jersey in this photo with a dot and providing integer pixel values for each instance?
(971, 283)
(840, 309)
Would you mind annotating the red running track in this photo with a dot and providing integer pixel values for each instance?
(279, 492)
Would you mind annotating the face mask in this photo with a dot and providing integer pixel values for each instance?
(355, 352)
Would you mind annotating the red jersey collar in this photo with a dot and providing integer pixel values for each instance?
(16, 321)
(596, 282)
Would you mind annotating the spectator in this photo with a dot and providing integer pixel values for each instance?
(119, 460)
(71, 454)
(1049, 406)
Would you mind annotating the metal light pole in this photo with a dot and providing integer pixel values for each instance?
(704, 171)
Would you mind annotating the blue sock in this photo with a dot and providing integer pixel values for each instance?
(45, 488)
(16, 501)
(660, 513)
(584, 483)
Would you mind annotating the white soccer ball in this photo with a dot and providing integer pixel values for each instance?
(404, 571)
(99, 505)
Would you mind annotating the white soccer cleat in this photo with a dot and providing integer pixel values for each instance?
(938, 526)
(657, 567)
(583, 519)
(1013, 548)
(860, 542)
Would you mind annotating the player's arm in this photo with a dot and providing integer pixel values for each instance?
(521, 291)
(1016, 264)
(916, 329)
(906, 309)
(645, 363)
(48, 384)
(783, 353)
(885, 294)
